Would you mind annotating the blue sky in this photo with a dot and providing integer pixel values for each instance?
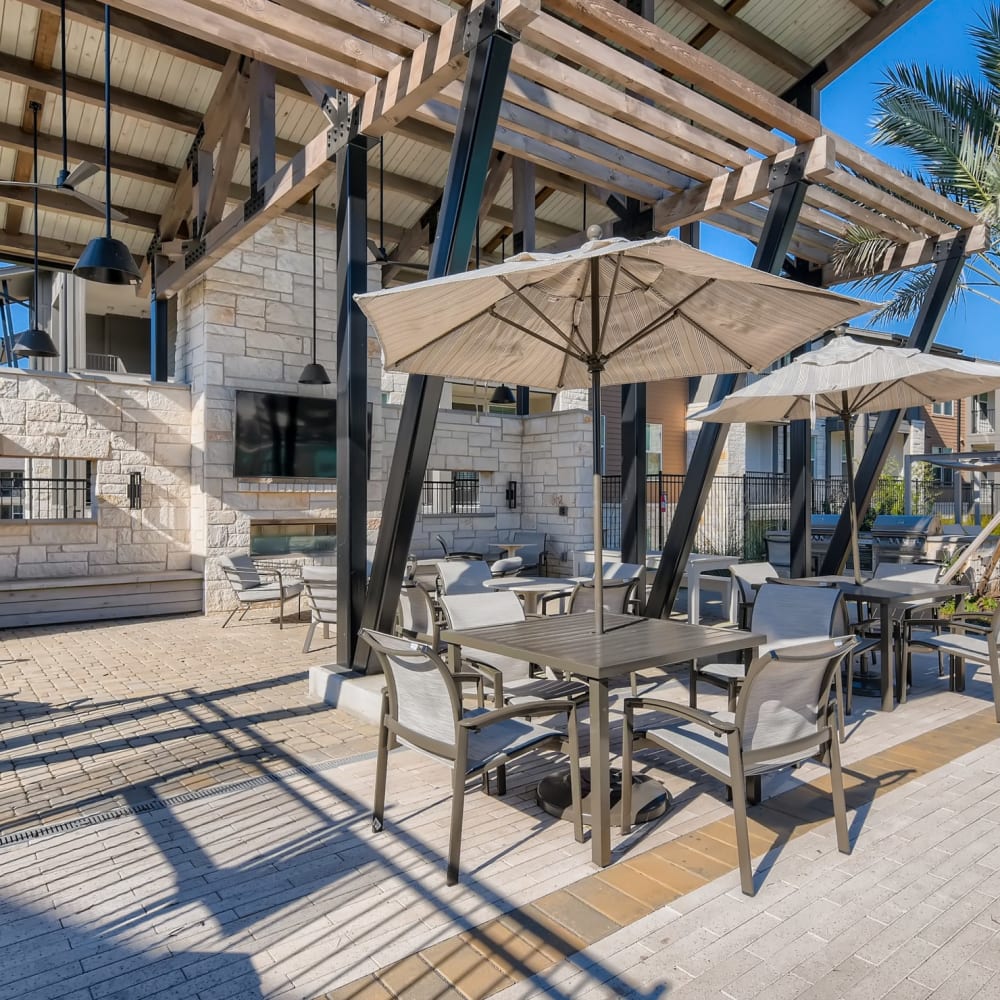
(937, 36)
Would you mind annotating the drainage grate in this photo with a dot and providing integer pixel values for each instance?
(21, 836)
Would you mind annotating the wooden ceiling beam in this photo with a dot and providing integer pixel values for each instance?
(870, 8)
(748, 36)
(66, 204)
(362, 21)
(18, 246)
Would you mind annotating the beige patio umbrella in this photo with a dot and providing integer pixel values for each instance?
(614, 311)
(847, 377)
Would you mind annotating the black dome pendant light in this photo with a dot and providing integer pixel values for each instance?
(106, 259)
(314, 373)
(503, 395)
(35, 342)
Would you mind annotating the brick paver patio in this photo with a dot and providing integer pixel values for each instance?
(241, 861)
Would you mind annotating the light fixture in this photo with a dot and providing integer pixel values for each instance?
(106, 259)
(314, 373)
(503, 395)
(35, 342)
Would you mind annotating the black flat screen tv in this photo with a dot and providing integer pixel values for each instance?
(287, 437)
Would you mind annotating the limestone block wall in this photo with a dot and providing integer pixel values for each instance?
(247, 324)
(122, 424)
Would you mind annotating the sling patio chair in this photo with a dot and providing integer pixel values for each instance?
(250, 588)
(422, 709)
(783, 717)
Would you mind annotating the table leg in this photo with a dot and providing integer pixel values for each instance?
(600, 775)
(888, 667)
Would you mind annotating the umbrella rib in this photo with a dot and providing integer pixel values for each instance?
(538, 312)
(570, 351)
(611, 294)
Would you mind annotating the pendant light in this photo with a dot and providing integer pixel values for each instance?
(35, 342)
(106, 259)
(314, 373)
(503, 395)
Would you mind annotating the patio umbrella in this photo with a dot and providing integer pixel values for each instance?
(613, 310)
(847, 377)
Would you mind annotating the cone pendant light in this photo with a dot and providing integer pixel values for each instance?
(106, 259)
(35, 342)
(314, 373)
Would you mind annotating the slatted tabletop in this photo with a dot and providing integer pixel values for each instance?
(568, 642)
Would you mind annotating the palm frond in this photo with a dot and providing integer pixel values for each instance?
(860, 251)
(986, 40)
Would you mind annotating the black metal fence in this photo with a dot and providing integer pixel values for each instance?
(33, 498)
(458, 496)
(741, 509)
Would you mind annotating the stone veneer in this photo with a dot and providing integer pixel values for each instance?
(122, 424)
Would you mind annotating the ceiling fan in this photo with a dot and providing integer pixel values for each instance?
(68, 180)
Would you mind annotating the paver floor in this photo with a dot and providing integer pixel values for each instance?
(239, 872)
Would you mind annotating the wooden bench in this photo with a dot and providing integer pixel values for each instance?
(94, 598)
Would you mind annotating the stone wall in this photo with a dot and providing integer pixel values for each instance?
(122, 424)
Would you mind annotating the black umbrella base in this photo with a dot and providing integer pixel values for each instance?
(650, 800)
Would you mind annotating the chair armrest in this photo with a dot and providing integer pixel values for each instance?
(471, 677)
(696, 715)
(525, 710)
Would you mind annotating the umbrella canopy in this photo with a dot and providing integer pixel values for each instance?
(615, 310)
(847, 377)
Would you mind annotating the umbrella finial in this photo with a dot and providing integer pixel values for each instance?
(594, 232)
(840, 330)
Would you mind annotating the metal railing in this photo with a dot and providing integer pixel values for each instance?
(106, 363)
(983, 420)
(33, 498)
(459, 496)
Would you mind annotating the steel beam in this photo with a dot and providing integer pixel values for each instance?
(523, 238)
(352, 393)
(800, 497)
(463, 190)
(787, 194)
(158, 354)
(936, 299)
(633, 470)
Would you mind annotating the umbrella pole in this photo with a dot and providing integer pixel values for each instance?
(851, 499)
(595, 381)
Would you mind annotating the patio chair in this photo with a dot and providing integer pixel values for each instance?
(462, 576)
(422, 708)
(249, 587)
(746, 578)
(532, 551)
(319, 584)
(507, 566)
(418, 619)
(512, 681)
(449, 554)
(783, 718)
(973, 638)
(617, 595)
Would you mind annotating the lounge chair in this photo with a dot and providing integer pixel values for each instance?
(250, 588)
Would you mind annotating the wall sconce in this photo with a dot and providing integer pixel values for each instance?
(511, 494)
(134, 491)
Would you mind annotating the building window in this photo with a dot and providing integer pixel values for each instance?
(450, 493)
(942, 475)
(944, 408)
(654, 449)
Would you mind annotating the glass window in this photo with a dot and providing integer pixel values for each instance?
(945, 408)
(654, 449)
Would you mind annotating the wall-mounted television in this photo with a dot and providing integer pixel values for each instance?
(287, 437)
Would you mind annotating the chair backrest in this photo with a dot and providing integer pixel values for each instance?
(616, 595)
(464, 576)
(912, 572)
(614, 569)
(532, 546)
(748, 574)
(783, 704)
(319, 587)
(786, 614)
(489, 607)
(444, 545)
(416, 613)
(423, 696)
(240, 571)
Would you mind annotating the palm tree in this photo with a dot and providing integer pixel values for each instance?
(950, 123)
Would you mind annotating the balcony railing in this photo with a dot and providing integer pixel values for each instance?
(983, 420)
(106, 363)
(460, 496)
(32, 498)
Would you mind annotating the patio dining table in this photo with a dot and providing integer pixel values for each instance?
(891, 595)
(570, 643)
(531, 588)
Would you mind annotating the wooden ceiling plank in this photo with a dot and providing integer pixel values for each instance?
(66, 204)
(913, 254)
(748, 36)
(209, 25)
(50, 251)
(647, 82)
(854, 188)
(645, 40)
(362, 20)
(428, 15)
(858, 215)
(737, 187)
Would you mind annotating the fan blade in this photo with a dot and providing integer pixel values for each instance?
(29, 185)
(80, 173)
(95, 204)
(6, 273)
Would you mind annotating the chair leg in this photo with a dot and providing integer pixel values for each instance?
(231, 613)
(742, 831)
(575, 785)
(502, 779)
(381, 767)
(839, 799)
(457, 814)
(839, 696)
(281, 611)
(995, 678)
(693, 685)
(625, 803)
(309, 636)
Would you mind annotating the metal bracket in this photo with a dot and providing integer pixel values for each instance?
(255, 202)
(483, 21)
(195, 253)
(949, 249)
(788, 171)
(192, 156)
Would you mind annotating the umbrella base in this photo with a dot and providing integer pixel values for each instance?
(650, 800)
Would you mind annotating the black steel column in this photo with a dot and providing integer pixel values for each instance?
(634, 473)
(463, 189)
(157, 336)
(352, 393)
(936, 299)
(523, 238)
(786, 200)
(800, 497)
